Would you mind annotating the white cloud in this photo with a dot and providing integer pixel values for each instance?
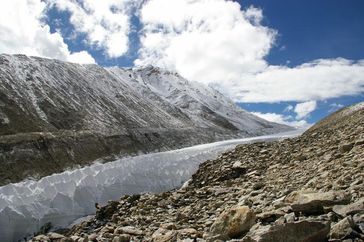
(317, 80)
(216, 42)
(23, 32)
(211, 41)
(304, 109)
(282, 119)
(206, 40)
(82, 57)
(106, 23)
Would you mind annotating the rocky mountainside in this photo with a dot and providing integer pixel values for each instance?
(54, 114)
(309, 188)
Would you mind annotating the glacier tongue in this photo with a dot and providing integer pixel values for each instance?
(65, 197)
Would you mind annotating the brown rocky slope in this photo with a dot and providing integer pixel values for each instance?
(309, 188)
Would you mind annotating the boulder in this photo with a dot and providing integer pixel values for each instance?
(314, 202)
(350, 209)
(307, 231)
(342, 229)
(234, 222)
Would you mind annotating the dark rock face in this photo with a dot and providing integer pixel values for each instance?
(55, 115)
(279, 196)
(44, 153)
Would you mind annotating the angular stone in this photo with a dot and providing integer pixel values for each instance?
(55, 236)
(342, 229)
(128, 230)
(314, 202)
(290, 217)
(346, 147)
(164, 235)
(234, 222)
(350, 209)
(306, 231)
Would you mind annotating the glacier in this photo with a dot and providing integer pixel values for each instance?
(65, 197)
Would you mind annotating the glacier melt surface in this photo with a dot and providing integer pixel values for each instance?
(65, 197)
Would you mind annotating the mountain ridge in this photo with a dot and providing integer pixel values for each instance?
(55, 115)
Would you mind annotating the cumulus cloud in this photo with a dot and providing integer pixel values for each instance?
(82, 57)
(106, 23)
(282, 119)
(304, 109)
(317, 80)
(207, 41)
(218, 43)
(22, 31)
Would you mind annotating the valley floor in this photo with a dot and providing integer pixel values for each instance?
(308, 188)
(62, 198)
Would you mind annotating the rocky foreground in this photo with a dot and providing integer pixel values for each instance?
(309, 188)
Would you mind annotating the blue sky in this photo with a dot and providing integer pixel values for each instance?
(310, 30)
(287, 61)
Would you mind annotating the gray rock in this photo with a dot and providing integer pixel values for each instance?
(290, 232)
(350, 209)
(41, 238)
(290, 217)
(342, 229)
(128, 230)
(346, 147)
(55, 236)
(314, 202)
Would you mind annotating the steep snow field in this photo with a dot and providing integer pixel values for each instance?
(65, 197)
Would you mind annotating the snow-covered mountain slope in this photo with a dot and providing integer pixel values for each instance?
(202, 104)
(55, 114)
(62, 198)
(48, 95)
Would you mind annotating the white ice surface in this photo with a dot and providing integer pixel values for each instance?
(63, 198)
